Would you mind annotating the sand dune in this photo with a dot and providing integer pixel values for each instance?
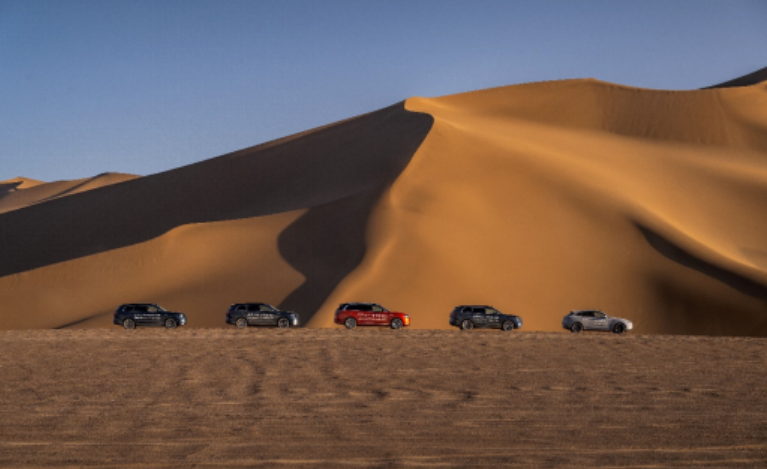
(76, 258)
(537, 198)
(548, 197)
(13, 184)
(35, 192)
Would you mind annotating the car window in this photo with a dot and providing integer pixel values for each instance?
(599, 314)
(254, 308)
(587, 314)
(378, 309)
(491, 311)
(360, 307)
(478, 310)
(152, 309)
(267, 308)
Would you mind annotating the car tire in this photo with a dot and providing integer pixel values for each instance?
(170, 323)
(576, 327)
(282, 323)
(241, 323)
(350, 323)
(129, 323)
(396, 323)
(619, 328)
(507, 326)
(467, 325)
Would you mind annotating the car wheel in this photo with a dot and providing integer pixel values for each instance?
(170, 323)
(282, 323)
(129, 324)
(619, 328)
(507, 326)
(576, 327)
(350, 323)
(241, 323)
(396, 323)
(467, 325)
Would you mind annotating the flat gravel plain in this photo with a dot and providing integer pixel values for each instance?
(152, 398)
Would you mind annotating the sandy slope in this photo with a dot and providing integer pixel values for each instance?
(537, 198)
(192, 269)
(10, 185)
(378, 398)
(547, 197)
(35, 192)
(281, 222)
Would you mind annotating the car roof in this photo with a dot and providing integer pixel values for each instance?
(575, 311)
(474, 306)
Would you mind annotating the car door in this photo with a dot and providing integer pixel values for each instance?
(600, 321)
(478, 317)
(492, 317)
(154, 315)
(587, 319)
(255, 316)
(269, 315)
(364, 314)
(140, 314)
(380, 316)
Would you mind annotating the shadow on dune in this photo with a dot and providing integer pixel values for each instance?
(685, 258)
(311, 169)
(325, 244)
(746, 80)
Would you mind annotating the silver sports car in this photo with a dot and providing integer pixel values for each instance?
(595, 320)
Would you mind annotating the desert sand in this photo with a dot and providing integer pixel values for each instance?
(379, 398)
(22, 192)
(538, 199)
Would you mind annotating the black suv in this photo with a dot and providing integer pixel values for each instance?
(147, 314)
(259, 314)
(468, 316)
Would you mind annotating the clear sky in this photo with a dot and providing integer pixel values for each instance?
(90, 86)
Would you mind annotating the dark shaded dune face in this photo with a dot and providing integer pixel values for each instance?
(754, 78)
(325, 245)
(307, 170)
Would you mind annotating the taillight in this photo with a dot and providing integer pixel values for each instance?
(116, 311)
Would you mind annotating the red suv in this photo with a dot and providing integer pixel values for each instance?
(369, 314)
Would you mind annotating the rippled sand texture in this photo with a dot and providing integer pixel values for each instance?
(379, 398)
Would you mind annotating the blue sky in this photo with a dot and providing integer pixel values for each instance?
(144, 86)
